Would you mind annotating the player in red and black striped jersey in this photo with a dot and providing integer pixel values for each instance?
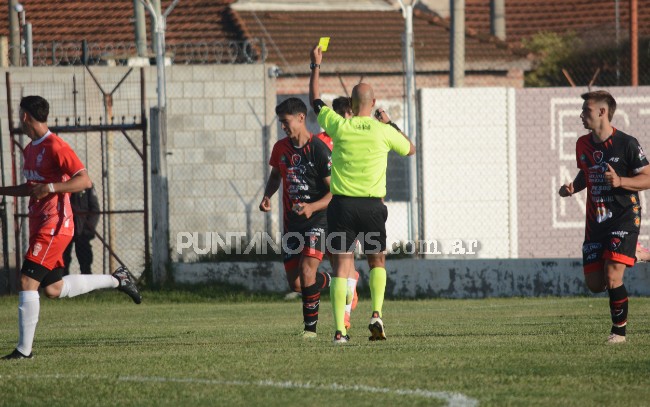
(301, 162)
(613, 168)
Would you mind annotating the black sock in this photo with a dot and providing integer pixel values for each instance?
(618, 308)
(310, 303)
(323, 280)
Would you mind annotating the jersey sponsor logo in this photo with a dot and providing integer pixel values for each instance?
(641, 154)
(614, 243)
(590, 247)
(602, 199)
(613, 160)
(33, 175)
(37, 249)
(619, 233)
(637, 221)
(39, 158)
(636, 208)
(598, 156)
(633, 199)
(583, 157)
(592, 257)
(602, 213)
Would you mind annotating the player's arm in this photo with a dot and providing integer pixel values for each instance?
(638, 182)
(18, 190)
(272, 186)
(78, 182)
(308, 209)
(316, 57)
(578, 184)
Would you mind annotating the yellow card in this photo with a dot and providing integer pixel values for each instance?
(324, 42)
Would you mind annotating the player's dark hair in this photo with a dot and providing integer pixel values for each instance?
(36, 106)
(291, 106)
(342, 105)
(602, 96)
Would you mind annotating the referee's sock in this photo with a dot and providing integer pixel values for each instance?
(377, 288)
(338, 291)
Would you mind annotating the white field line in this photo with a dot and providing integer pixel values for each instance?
(452, 399)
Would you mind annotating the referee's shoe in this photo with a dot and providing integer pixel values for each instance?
(376, 328)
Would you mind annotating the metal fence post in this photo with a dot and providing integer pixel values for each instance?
(160, 196)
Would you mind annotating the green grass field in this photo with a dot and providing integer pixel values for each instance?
(197, 349)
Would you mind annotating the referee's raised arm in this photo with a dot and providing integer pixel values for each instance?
(316, 57)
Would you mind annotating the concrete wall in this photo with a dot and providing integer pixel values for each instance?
(548, 126)
(216, 117)
(494, 159)
(430, 278)
(467, 167)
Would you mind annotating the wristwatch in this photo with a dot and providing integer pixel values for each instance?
(313, 65)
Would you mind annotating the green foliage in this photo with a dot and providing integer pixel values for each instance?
(552, 50)
(101, 349)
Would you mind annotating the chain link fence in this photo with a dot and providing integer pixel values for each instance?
(101, 116)
(480, 187)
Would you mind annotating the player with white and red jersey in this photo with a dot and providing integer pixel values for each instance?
(613, 168)
(53, 171)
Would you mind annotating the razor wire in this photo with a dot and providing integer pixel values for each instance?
(65, 53)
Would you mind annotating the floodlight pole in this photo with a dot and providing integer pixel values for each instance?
(411, 117)
(159, 184)
(159, 21)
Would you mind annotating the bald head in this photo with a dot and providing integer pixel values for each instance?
(363, 99)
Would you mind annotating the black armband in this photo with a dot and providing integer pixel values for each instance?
(318, 105)
(393, 125)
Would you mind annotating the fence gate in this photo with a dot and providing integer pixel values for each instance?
(102, 116)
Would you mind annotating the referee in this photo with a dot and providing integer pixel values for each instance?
(358, 185)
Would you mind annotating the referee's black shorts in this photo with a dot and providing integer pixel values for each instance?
(350, 219)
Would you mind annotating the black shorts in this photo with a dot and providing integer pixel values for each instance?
(352, 218)
(619, 246)
(41, 273)
(309, 242)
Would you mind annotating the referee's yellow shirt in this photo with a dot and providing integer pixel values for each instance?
(360, 155)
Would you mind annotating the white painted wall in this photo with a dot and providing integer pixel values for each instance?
(466, 168)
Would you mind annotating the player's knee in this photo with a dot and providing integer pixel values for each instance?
(596, 286)
(52, 291)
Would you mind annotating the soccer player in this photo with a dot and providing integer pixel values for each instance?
(613, 168)
(301, 163)
(53, 171)
(341, 105)
(359, 158)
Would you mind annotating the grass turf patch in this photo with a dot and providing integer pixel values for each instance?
(197, 349)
